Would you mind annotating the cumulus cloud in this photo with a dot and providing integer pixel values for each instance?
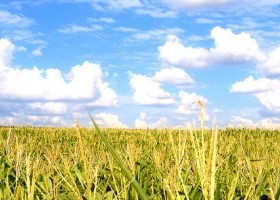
(241, 122)
(44, 120)
(234, 48)
(19, 119)
(270, 100)
(173, 76)
(142, 122)
(244, 122)
(176, 54)
(109, 120)
(149, 92)
(267, 91)
(53, 108)
(82, 83)
(270, 123)
(251, 85)
(36, 91)
(187, 103)
(229, 48)
(6, 53)
(271, 65)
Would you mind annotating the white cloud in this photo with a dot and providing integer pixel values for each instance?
(174, 76)
(108, 4)
(251, 85)
(7, 121)
(188, 103)
(162, 122)
(271, 65)
(149, 92)
(262, 2)
(141, 122)
(19, 119)
(124, 4)
(102, 19)
(48, 96)
(267, 91)
(270, 123)
(78, 29)
(196, 38)
(234, 48)
(241, 122)
(82, 84)
(126, 29)
(205, 21)
(21, 49)
(6, 18)
(270, 100)
(109, 120)
(6, 53)
(229, 48)
(244, 122)
(57, 108)
(37, 52)
(156, 33)
(45, 120)
(156, 12)
(175, 53)
(115, 4)
(183, 4)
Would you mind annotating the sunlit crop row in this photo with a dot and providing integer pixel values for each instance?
(74, 163)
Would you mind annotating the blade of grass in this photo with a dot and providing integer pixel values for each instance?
(125, 171)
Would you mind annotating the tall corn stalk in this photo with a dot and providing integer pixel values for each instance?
(118, 160)
(206, 156)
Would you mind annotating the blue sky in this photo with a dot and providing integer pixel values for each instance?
(140, 63)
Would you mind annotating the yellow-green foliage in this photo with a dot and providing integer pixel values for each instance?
(65, 163)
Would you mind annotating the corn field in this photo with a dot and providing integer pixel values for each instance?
(74, 163)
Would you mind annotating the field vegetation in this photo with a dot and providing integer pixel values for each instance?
(74, 163)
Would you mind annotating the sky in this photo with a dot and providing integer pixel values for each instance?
(140, 63)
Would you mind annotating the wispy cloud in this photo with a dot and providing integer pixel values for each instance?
(156, 12)
(78, 29)
(102, 19)
(205, 21)
(37, 52)
(108, 4)
(182, 4)
(156, 34)
(9, 19)
(126, 29)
